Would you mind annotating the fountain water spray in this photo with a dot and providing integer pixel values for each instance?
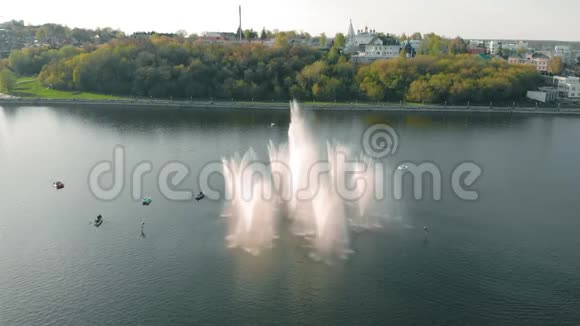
(252, 212)
(303, 180)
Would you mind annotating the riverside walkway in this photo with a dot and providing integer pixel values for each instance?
(235, 105)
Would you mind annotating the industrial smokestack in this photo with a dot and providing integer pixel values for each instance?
(240, 23)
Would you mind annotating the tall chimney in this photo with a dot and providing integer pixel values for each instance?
(240, 23)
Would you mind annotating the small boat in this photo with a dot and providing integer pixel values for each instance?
(272, 125)
(200, 196)
(403, 167)
(426, 229)
(58, 185)
(98, 221)
(147, 201)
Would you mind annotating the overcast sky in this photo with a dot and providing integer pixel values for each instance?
(505, 19)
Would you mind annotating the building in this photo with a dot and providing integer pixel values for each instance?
(544, 94)
(473, 50)
(220, 38)
(212, 38)
(484, 56)
(539, 60)
(475, 43)
(517, 59)
(562, 48)
(494, 47)
(410, 49)
(565, 53)
(314, 42)
(361, 38)
(568, 86)
(383, 47)
(269, 42)
(476, 47)
(416, 44)
(514, 46)
(379, 47)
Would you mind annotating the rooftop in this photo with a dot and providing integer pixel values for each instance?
(386, 40)
(540, 56)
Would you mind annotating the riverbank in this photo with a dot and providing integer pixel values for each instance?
(5, 96)
(30, 87)
(233, 105)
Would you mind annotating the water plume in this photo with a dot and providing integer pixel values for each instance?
(301, 181)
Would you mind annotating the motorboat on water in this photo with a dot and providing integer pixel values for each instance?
(58, 185)
(200, 196)
(98, 221)
(147, 201)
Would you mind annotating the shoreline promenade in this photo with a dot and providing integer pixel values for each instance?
(235, 105)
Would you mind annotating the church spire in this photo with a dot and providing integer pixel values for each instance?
(350, 30)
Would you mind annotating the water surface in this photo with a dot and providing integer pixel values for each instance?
(508, 258)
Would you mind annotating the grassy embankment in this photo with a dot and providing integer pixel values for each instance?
(31, 87)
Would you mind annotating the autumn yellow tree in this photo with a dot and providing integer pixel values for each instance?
(555, 65)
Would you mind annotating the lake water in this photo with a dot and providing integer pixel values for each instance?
(511, 257)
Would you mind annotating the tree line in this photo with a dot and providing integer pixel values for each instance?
(452, 79)
(179, 68)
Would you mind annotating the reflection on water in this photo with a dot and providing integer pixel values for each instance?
(4, 132)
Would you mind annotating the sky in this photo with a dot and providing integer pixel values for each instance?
(489, 19)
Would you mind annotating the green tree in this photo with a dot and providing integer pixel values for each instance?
(500, 51)
(322, 40)
(457, 46)
(452, 78)
(339, 41)
(264, 34)
(402, 53)
(29, 61)
(82, 35)
(164, 66)
(250, 34)
(332, 56)
(7, 80)
(417, 36)
(281, 39)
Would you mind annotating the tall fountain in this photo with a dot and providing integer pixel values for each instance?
(302, 182)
